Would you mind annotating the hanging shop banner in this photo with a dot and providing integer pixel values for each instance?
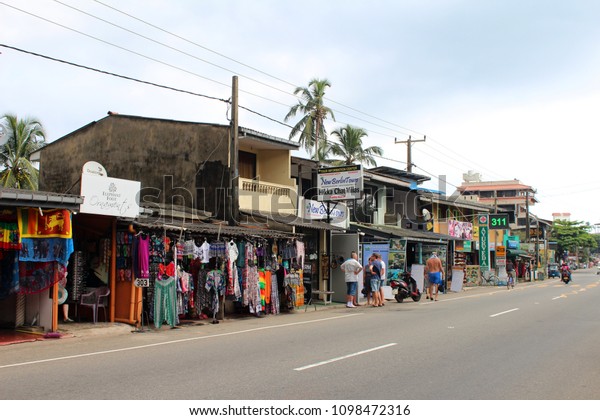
(317, 210)
(109, 196)
(38, 223)
(340, 183)
(461, 230)
(484, 249)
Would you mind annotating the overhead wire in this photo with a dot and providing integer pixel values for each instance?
(203, 77)
(224, 68)
(407, 130)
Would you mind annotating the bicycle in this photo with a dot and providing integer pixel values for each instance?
(489, 278)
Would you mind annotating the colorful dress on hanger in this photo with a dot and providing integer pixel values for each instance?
(143, 256)
(215, 283)
(165, 302)
(233, 288)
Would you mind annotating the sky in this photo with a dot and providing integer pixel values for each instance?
(508, 89)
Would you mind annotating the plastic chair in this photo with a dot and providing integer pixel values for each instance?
(97, 298)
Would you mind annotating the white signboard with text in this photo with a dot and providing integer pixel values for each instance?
(317, 210)
(109, 196)
(339, 183)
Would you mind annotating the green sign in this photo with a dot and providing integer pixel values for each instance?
(498, 221)
(484, 242)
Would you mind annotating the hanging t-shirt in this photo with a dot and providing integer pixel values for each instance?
(205, 252)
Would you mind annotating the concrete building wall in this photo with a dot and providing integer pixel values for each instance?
(177, 157)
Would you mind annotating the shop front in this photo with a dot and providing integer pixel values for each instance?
(36, 245)
(208, 271)
(402, 250)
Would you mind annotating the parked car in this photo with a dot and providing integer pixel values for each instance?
(553, 271)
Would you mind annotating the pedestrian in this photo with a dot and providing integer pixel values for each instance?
(368, 274)
(376, 281)
(510, 268)
(382, 275)
(435, 274)
(352, 269)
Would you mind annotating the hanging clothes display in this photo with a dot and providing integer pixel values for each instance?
(143, 256)
(233, 288)
(215, 283)
(295, 289)
(9, 236)
(165, 302)
(252, 291)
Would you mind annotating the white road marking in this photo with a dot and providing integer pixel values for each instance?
(505, 312)
(337, 359)
(559, 297)
(183, 340)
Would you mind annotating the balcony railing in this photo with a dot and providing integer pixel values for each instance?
(267, 197)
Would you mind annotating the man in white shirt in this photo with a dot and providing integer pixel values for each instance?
(352, 269)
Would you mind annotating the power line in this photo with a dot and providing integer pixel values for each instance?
(133, 79)
(223, 68)
(226, 69)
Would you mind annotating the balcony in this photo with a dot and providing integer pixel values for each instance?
(267, 197)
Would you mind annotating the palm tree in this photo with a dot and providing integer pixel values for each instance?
(351, 149)
(311, 128)
(25, 136)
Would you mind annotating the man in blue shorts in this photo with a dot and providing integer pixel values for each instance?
(352, 269)
(435, 273)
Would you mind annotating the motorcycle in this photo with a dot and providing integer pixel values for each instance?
(405, 287)
(565, 276)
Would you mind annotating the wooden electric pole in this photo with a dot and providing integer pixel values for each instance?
(409, 143)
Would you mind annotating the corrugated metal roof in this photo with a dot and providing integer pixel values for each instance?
(294, 221)
(222, 230)
(396, 231)
(43, 199)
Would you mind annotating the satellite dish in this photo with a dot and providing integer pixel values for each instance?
(3, 135)
(426, 215)
(94, 168)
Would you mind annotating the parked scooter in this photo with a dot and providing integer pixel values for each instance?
(405, 287)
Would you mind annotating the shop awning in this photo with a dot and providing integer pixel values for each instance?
(518, 253)
(42, 199)
(205, 228)
(387, 231)
(291, 220)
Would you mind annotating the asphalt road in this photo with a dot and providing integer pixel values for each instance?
(538, 341)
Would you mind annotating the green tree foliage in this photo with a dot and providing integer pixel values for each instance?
(25, 136)
(350, 149)
(570, 236)
(311, 128)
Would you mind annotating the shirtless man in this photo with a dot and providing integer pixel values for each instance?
(435, 272)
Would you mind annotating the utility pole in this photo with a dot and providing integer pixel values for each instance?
(409, 143)
(233, 156)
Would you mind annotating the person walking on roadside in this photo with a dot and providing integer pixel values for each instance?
(376, 281)
(352, 269)
(435, 274)
(382, 277)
